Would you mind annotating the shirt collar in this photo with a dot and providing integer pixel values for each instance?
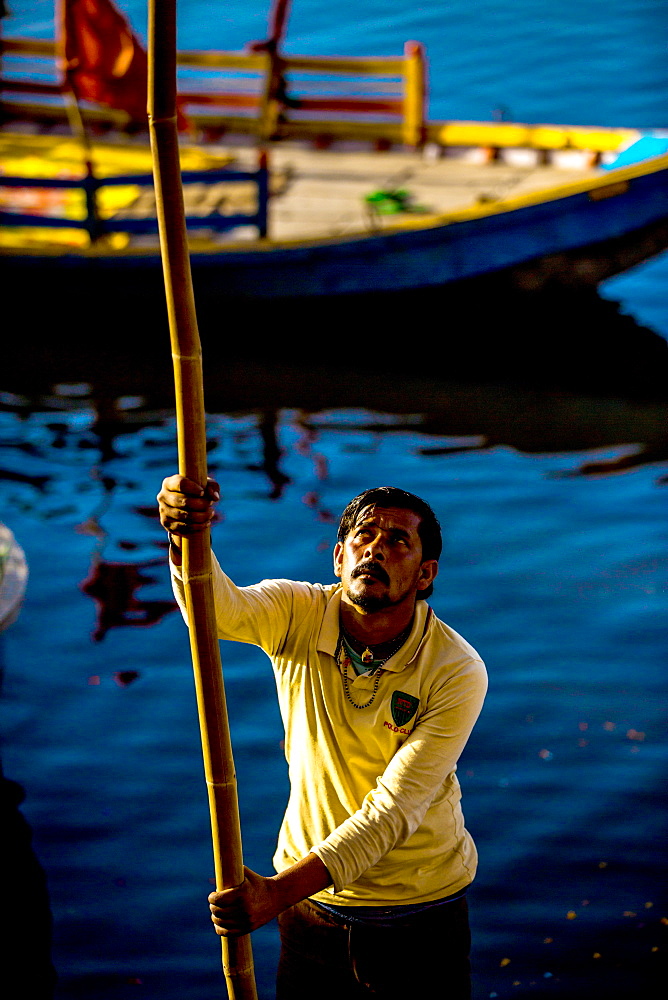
(329, 633)
(329, 630)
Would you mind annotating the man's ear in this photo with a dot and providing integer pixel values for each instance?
(338, 558)
(428, 573)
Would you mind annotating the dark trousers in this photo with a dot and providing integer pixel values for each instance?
(423, 956)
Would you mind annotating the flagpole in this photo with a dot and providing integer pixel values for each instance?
(197, 575)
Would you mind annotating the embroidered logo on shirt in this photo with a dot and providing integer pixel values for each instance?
(404, 706)
(397, 729)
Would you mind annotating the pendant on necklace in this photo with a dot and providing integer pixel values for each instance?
(367, 656)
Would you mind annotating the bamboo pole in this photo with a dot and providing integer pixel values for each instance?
(187, 358)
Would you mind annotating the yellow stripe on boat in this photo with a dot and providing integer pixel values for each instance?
(502, 135)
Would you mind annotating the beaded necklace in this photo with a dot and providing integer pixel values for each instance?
(376, 670)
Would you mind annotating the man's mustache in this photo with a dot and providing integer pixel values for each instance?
(373, 569)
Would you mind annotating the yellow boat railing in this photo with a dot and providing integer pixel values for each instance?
(46, 195)
(260, 93)
(381, 100)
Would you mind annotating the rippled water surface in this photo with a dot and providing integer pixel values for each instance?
(557, 578)
(553, 505)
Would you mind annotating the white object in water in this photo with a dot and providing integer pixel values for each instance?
(13, 577)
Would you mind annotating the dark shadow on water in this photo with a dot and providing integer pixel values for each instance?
(481, 334)
(566, 339)
(26, 923)
(551, 372)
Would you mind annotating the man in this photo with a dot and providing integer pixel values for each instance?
(378, 698)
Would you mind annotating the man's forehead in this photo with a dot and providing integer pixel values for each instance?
(389, 517)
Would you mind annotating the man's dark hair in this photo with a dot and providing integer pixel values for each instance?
(429, 529)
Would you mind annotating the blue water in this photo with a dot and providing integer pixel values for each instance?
(558, 579)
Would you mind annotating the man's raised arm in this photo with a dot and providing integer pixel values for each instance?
(186, 509)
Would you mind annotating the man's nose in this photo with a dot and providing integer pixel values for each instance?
(375, 549)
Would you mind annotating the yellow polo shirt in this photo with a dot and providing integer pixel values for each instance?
(373, 790)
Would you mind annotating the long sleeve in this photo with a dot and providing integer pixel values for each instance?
(419, 774)
(260, 614)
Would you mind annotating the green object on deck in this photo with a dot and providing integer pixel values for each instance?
(388, 202)
(391, 202)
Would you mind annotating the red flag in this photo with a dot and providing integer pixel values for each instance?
(103, 58)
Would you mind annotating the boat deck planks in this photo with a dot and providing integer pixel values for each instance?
(322, 192)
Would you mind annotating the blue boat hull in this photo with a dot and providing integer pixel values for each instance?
(455, 251)
(580, 238)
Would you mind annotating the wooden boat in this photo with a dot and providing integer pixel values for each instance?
(13, 577)
(299, 195)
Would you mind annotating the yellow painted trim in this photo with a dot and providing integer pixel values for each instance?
(482, 134)
(46, 155)
(257, 61)
(57, 113)
(503, 134)
(28, 47)
(381, 65)
(548, 137)
(600, 140)
(253, 61)
(364, 131)
(414, 97)
(355, 65)
(243, 124)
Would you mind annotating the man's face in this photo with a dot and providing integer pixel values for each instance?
(380, 562)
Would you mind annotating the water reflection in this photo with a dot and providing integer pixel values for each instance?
(112, 586)
(271, 453)
(647, 455)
